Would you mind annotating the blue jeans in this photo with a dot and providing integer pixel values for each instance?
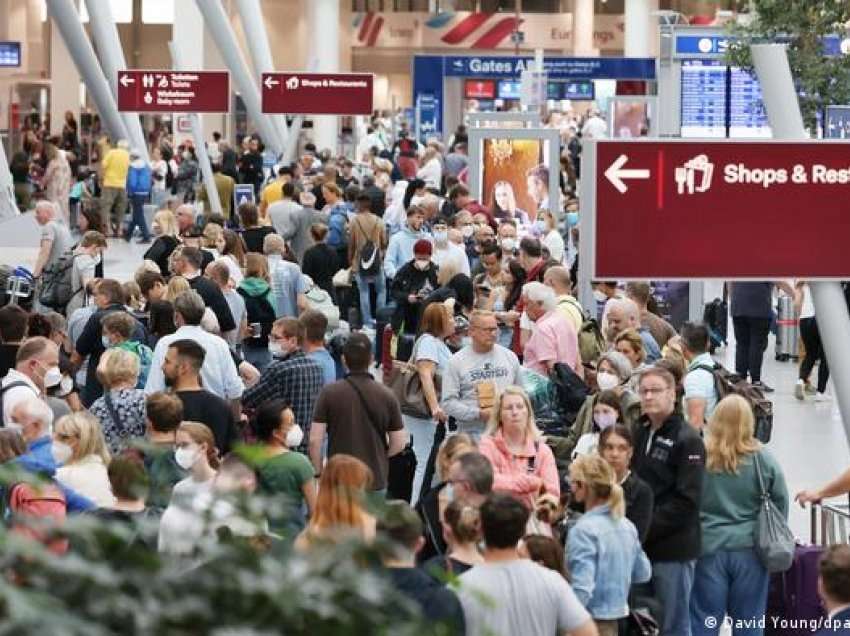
(137, 204)
(733, 583)
(422, 432)
(380, 284)
(672, 582)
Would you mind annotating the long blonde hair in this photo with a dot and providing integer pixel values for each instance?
(167, 222)
(729, 435)
(495, 422)
(86, 428)
(599, 478)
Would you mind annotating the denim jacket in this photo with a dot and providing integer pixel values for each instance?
(604, 557)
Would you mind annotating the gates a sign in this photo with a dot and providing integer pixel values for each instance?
(154, 91)
(757, 210)
(317, 93)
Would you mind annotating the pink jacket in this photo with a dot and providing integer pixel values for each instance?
(511, 472)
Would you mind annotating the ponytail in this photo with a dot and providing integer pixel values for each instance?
(617, 502)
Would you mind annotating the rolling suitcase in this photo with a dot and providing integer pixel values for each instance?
(787, 330)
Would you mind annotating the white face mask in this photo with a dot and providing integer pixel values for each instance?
(604, 420)
(294, 436)
(508, 244)
(441, 237)
(467, 231)
(599, 296)
(186, 457)
(52, 377)
(606, 381)
(61, 452)
(14, 426)
(421, 265)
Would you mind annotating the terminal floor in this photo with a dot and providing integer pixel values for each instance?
(808, 438)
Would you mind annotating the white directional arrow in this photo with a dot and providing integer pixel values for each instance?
(270, 82)
(125, 80)
(615, 174)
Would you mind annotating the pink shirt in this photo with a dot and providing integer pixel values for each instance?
(510, 471)
(553, 339)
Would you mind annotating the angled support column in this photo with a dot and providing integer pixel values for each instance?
(225, 39)
(786, 121)
(251, 15)
(105, 35)
(198, 136)
(67, 20)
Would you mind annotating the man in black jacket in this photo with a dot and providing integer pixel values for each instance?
(413, 282)
(188, 265)
(402, 530)
(670, 457)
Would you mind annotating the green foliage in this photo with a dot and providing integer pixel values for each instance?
(821, 80)
(112, 582)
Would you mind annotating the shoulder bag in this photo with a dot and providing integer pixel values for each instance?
(774, 541)
(406, 385)
(402, 466)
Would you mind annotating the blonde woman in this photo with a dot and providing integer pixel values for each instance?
(431, 170)
(523, 464)
(729, 578)
(165, 230)
(80, 450)
(121, 409)
(604, 555)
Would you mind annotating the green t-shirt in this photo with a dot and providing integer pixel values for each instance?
(286, 475)
(163, 473)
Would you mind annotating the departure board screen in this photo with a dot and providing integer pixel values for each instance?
(704, 98)
(747, 115)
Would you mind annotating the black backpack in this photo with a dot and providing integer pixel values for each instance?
(56, 282)
(369, 258)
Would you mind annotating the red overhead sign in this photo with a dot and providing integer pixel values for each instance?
(317, 93)
(732, 210)
(152, 91)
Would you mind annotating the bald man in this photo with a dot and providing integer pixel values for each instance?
(623, 313)
(558, 278)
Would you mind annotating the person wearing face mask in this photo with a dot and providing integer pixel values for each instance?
(181, 369)
(446, 252)
(80, 451)
(606, 413)
(414, 281)
(613, 372)
(508, 239)
(36, 370)
(547, 230)
(400, 246)
(87, 255)
(292, 376)
(281, 469)
(194, 452)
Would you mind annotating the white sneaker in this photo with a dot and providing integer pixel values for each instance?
(822, 397)
(799, 391)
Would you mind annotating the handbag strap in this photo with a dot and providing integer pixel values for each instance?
(381, 434)
(113, 414)
(765, 496)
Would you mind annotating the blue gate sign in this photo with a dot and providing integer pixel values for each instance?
(429, 116)
(243, 193)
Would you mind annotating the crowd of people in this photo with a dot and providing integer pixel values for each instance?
(287, 327)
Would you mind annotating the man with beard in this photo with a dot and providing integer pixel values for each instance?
(182, 371)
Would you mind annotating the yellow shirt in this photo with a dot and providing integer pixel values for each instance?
(116, 164)
(225, 186)
(570, 308)
(272, 193)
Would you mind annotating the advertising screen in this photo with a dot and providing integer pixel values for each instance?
(479, 89)
(631, 119)
(10, 54)
(515, 177)
(582, 89)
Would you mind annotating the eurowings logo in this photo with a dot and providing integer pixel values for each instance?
(467, 30)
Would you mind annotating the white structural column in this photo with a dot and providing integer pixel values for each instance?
(64, 82)
(105, 35)
(641, 28)
(583, 17)
(251, 14)
(786, 122)
(323, 29)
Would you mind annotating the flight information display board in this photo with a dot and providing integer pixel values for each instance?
(719, 101)
(704, 97)
(747, 115)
